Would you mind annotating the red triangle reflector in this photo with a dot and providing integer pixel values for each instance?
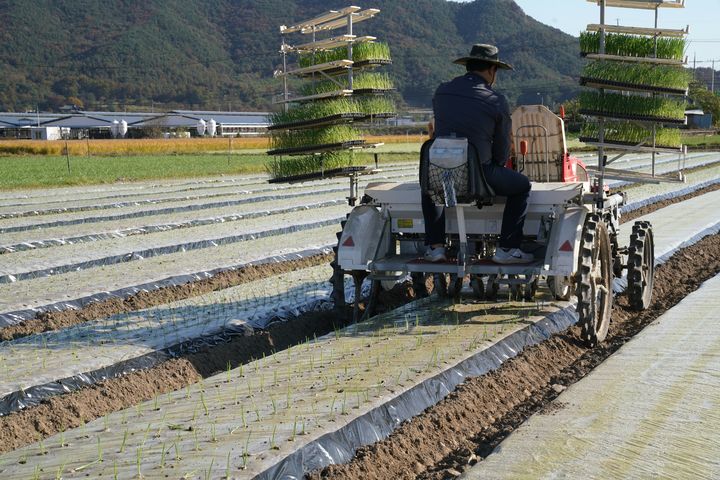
(566, 247)
(349, 242)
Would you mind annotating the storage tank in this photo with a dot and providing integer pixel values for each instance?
(122, 128)
(114, 128)
(212, 127)
(201, 127)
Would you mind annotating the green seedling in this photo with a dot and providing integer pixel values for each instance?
(633, 105)
(162, 457)
(124, 441)
(273, 446)
(633, 45)
(662, 76)
(626, 132)
(333, 134)
(60, 470)
(204, 404)
(246, 451)
(362, 52)
(294, 432)
(208, 472)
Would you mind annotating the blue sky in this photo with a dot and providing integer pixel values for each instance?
(703, 16)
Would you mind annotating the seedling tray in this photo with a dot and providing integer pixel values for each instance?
(318, 122)
(328, 147)
(612, 85)
(630, 146)
(639, 118)
(372, 91)
(625, 58)
(359, 65)
(335, 172)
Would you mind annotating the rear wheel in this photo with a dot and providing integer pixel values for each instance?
(531, 290)
(478, 287)
(440, 284)
(560, 287)
(594, 285)
(455, 286)
(492, 287)
(641, 266)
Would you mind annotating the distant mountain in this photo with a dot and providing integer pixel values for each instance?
(220, 54)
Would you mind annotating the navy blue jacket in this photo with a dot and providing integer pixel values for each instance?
(468, 107)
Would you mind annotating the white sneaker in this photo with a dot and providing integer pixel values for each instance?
(512, 255)
(435, 254)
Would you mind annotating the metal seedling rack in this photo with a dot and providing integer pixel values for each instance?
(340, 72)
(625, 87)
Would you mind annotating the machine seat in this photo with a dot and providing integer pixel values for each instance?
(544, 133)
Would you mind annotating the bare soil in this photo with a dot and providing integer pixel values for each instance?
(465, 427)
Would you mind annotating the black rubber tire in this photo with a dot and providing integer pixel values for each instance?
(563, 295)
(641, 266)
(337, 280)
(419, 285)
(530, 290)
(492, 288)
(455, 286)
(594, 282)
(478, 287)
(516, 290)
(440, 284)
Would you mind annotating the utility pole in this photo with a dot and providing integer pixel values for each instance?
(694, 66)
(712, 82)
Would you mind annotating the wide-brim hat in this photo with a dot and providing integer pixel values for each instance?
(484, 53)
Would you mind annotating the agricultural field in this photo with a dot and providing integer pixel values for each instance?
(181, 325)
(44, 164)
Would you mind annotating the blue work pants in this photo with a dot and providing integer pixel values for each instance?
(506, 183)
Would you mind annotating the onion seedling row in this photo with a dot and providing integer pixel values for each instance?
(77, 288)
(51, 356)
(128, 190)
(139, 198)
(28, 264)
(91, 232)
(261, 194)
(245, 419)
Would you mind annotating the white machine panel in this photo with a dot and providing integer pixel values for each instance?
(362, 239)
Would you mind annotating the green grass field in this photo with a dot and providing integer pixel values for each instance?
(702, 141)
(38, 171)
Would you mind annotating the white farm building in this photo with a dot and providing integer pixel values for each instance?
(53, 126)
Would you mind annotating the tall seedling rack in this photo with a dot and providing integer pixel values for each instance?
(314, 135)
(640, 82)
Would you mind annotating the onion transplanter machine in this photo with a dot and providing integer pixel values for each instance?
(572, 228)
